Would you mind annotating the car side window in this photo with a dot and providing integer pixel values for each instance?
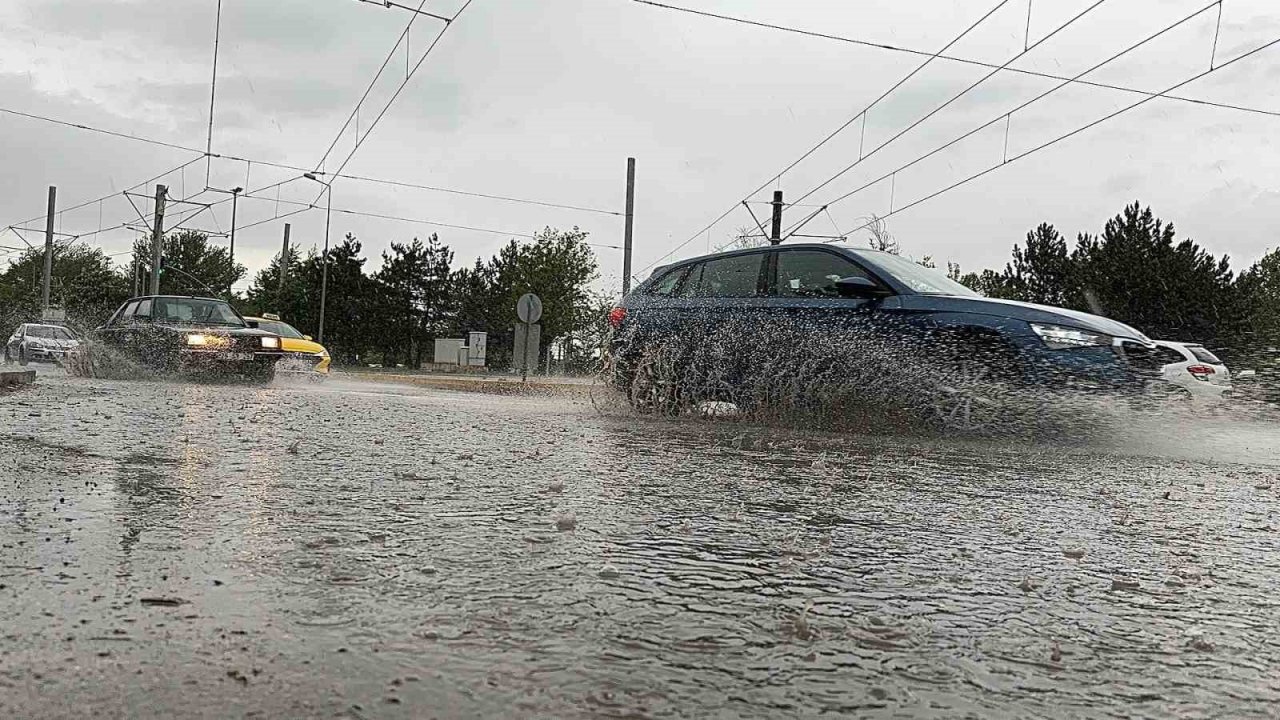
(667, 284)
(126, 317)
(813, 273)
(143, 311)
(1169, 356)
(729, 277)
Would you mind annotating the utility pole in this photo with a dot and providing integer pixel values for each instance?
(775, 236)
(235, 195)
(631, 211)
(48, 253)
(157, 239)
(284, 269)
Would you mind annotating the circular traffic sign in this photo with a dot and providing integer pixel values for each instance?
(529, 308)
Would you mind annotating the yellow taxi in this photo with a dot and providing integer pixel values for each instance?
(302, 354)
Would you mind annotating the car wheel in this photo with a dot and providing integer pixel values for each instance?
(656, 384)
(971, 391)
(262, 374)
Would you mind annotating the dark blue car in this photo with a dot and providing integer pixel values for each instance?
(788, 322)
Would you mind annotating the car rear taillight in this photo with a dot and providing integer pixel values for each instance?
(616, 316)
(1201, 372)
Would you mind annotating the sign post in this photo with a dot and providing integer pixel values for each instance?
(528, 334)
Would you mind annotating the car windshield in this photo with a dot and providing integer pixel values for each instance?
(282, 329)
(919, 278)
(49, 331)
(196, 311)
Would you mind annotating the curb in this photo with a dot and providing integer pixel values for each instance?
(491, 387)
(15, 378)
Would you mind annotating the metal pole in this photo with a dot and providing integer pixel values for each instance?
(157, 239)
(48, 253)
(626, 241)
(324, 273)
(284, 269)
(235, 195)
(775, 236)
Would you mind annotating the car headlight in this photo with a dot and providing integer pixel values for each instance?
(198, 340)
(271, 342)
(322, 354)
(1058, 337)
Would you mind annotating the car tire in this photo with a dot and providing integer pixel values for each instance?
(656, 384)
(262, 374)
(970, 390)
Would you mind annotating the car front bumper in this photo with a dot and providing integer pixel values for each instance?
(1087, 368)
(227, 359)
(42, 354)
(304, 363)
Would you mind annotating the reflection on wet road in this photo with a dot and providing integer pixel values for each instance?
(356, 550)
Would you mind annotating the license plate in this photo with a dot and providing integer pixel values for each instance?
(235, 356)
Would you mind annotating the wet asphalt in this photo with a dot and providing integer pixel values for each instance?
(349, 549)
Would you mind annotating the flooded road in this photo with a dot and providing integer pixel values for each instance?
(360, 550)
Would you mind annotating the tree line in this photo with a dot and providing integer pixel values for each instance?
(390, 316)
(1138, 271)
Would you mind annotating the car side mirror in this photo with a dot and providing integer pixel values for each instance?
(252, 323)
(308, 338)
(859, 287)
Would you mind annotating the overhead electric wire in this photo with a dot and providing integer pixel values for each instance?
(954, 98)
(466, 193)
(1002, 116)
(1075, 132)
(954, 58)
(832, 135)
(376, 76)
(396, 94)
(312, 206)
(115, 193)
(298, 169)
(80, 126)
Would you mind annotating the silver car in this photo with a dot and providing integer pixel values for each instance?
(39, 343)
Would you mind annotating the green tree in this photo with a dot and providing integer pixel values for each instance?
(415, 284)
(83, 282)
(1135, 273)
(192, 266)
(557, 266)
(1259, 291)
(353, 319)
(1040, 272)
(293, 305)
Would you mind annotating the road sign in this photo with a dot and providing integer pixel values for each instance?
(528, 338)
(529, 308)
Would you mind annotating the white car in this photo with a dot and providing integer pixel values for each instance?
(1195, 369)
(40, 343)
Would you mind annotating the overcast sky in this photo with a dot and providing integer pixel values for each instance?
(545, 100)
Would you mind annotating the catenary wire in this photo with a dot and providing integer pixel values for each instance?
(954, 98)
(829, 137)
(1002, 116)
(956, 59)
(1073, 133)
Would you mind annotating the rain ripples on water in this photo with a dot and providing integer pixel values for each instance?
(350, 548)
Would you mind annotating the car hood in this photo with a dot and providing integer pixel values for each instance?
(1028, 312)
(53, 343)
(299, 345)
(213, 329)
